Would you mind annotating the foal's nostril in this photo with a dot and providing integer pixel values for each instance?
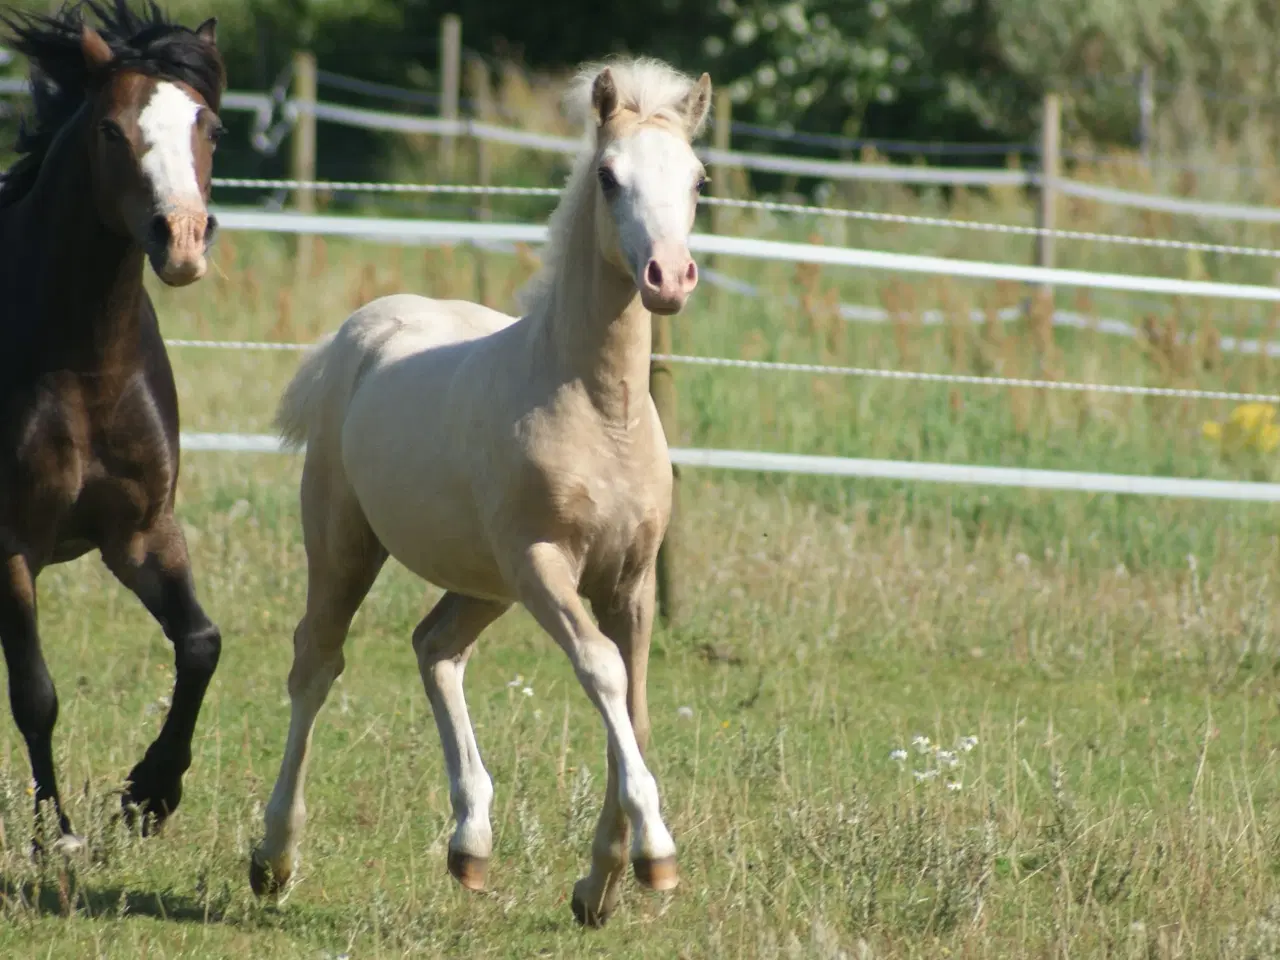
(691, 273)
(210, 228)
(158, 232)
(653, 275)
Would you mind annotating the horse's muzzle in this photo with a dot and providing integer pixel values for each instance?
(177, 244)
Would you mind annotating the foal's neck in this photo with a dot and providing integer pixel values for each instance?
(92, 276)
(600, 331)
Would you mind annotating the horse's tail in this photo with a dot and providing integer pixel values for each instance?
(303, 400)
(316, 399)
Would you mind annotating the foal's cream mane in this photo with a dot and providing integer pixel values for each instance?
(649, 92)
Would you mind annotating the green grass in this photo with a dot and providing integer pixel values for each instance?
(1115, 658)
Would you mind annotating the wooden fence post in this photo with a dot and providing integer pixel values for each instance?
(303, 144)
(478, 86)
(1146, 110)
(450, 80)
(662, 387)
(1050, 136)
(722, 124)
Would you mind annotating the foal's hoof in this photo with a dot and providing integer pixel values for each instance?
(659, 874)
(468, 870)
(263, 879)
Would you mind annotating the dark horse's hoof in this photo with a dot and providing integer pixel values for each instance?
(586, 916)
(67, 845)
(149, 799)
(262, 878)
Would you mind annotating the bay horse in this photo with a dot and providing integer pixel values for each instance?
(115, 170)
(511, 460)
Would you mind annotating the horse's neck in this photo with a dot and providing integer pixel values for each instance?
(600, 332)
(91, 276)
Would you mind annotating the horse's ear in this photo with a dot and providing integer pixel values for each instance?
(604, 96)
(697, 104)
(97, 54)
(208, 31)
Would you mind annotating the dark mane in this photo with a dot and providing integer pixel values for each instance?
(143, 41)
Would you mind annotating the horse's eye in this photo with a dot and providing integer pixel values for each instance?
(701, 185)
(215, 133)
(608, 182)
(112, 132)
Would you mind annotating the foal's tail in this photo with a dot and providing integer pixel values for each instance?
(303, 400)
(316, 399)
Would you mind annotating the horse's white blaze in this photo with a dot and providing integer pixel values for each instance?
(656, 172)
(168, 161)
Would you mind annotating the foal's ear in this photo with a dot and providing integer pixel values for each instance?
(697, 103)
(604, 96)
(208, 31)
(95, 50)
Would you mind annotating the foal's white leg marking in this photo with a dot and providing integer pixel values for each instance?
(168, 162)
(286, 813)
(547, 589)
(630, 626)
(444, 641)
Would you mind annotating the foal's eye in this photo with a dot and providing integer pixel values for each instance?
(701, 185)
(111, 131)
(215, 133)
(608, 182)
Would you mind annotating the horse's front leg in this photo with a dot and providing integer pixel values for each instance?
(443, 642)
(154, 565)
(548, 588)
(627, 620)
(31, 693)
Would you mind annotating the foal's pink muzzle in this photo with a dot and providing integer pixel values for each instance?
(667, 280)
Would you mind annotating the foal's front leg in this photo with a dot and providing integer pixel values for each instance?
(444, 641)
(548, 589)
(154, 565)
(31, 693)
(627, 621)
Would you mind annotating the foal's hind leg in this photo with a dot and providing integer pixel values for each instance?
(444, 641)
(154, 565)
(31, 694)
(343, 559)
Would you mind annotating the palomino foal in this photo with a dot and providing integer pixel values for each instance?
(512, 461)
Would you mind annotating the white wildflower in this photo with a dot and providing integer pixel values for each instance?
(953, 785)
(921, 743)
(922, 775)
(527, 691)
(966, 744)
(900, 755)
(684, 713)
(947, 758)
(516, 681)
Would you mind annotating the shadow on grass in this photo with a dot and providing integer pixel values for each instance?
(60, 896)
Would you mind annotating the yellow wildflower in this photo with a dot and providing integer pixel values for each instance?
(1251, 426)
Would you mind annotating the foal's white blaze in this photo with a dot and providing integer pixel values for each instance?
(169, 162)
(656, 173)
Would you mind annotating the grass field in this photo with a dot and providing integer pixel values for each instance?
(1097, 677)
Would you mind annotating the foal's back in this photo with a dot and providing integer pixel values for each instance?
(436, 371)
